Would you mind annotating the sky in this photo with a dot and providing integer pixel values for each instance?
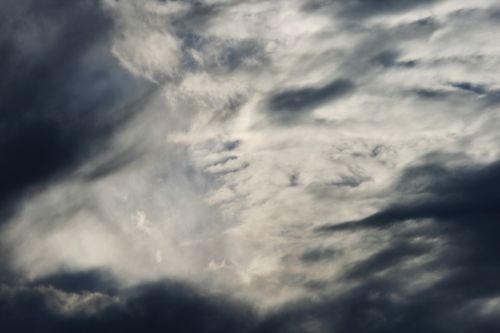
(249, 166)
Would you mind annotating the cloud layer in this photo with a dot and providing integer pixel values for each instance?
(253, 166)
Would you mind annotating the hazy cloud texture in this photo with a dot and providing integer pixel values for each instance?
(249, 166)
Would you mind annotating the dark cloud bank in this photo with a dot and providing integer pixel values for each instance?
(63, 94)
(62, 97)
(461, 203)
(291, 103)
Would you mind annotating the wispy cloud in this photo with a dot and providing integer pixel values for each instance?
(316, 166)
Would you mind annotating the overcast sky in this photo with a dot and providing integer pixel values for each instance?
(250, 166)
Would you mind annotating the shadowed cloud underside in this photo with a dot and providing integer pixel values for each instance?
(249, 166)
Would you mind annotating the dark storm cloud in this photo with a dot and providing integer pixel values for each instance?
(62, 91)
(162, 307)
(290, 103)
(62, 98)
(470, 87)
(78, 282)
(319, 255)
(461, 204)
(232, 145)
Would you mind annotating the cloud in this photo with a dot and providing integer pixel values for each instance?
(454, 205)
(363, 8)
(155, 307)
(295, 101)
(63, 96)
(313, 166)
(451, 195)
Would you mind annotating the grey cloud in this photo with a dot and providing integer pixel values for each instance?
(384, 47)
(197, 17)
(111, 165)
(490, 96)
(347, 182)
(319, 255)
(219, 54)
(63, 92)
(389, 58)
(460, 202)
(431, 93)
(374, 307)
(462, 91)
(160, 307)
(77, 282)
(435, 265)
(289, 103)
(232, 145)
(170, 306)
(470, 87)
(293, 180)
(236, 56)
(222, 54)
(396, 254)
(364, 8)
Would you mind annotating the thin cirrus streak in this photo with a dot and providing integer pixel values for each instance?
(249, 166)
